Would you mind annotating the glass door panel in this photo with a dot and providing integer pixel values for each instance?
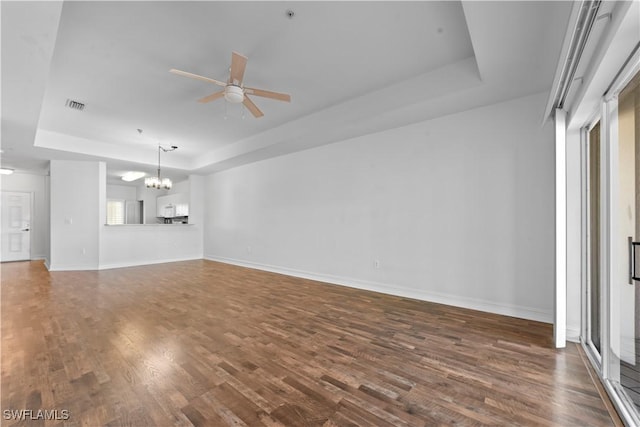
(625, 314)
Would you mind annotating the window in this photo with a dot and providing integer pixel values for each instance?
(115, 212)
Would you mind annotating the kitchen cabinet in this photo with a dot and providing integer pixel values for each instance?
(173, 205)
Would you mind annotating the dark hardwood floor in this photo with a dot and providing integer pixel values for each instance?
(204, 343)
(630, 377)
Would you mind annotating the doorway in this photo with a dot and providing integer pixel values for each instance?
(15, 213)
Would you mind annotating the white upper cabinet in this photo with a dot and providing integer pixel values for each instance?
(173, 205)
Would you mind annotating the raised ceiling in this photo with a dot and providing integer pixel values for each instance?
(351, 68)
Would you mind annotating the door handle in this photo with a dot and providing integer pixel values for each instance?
(632, 260)
(25, 229)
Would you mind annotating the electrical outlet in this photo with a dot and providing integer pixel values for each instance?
(249, 249)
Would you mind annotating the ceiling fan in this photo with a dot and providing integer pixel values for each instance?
(234, 91)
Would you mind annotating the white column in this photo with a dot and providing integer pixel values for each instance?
(560, 316)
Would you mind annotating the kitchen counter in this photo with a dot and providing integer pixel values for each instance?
(145, 225)
(138, 244)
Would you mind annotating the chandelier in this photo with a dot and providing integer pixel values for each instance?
(155, 181)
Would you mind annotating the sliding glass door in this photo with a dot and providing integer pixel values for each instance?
(611, 332)
(624, 358)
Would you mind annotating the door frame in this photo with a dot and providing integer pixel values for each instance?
(33, 218)
(608, 367)
(585, 149)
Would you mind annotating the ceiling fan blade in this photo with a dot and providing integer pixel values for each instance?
(238, 64)
(195, 76)
(212, 97)
(268, 94)
(252, 107)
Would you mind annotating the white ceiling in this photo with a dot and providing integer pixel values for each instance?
(350, 67)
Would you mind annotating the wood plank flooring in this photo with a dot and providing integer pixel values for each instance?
(630, 377)
(203, 343)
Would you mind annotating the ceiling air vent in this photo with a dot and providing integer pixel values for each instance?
(74, 105)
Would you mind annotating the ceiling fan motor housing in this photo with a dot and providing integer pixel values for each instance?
(234, 94)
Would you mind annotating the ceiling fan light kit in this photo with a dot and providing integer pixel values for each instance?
(234, 94)
(234, 91)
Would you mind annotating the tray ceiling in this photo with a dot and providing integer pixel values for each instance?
(351, 68)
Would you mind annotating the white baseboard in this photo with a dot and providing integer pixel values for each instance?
(144, 262)
(115, 265)
(70, 267)
(528, 313)
(46, 264)
(573, 335)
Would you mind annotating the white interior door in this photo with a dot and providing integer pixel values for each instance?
(15, 219)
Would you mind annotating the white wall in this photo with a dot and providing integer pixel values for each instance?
(38, 186)
(180, 187)
(459, 210)
(196, 193)
(75, 214)
(122, 192)
(81, 241)
(197, 207)
(129, 245)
